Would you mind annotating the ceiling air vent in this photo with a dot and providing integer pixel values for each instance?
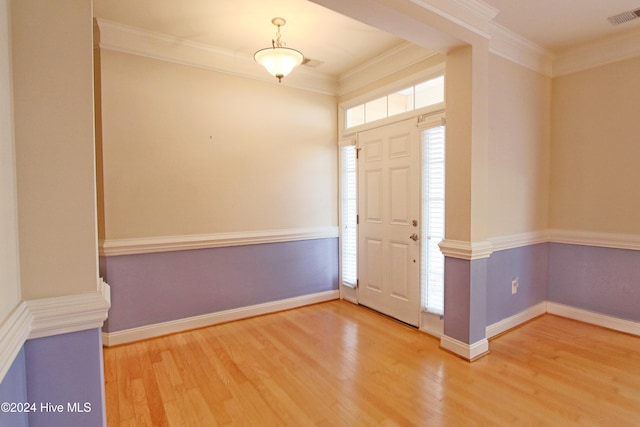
(313, 63)
(625, 17)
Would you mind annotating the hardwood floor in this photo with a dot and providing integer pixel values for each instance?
(337, 364)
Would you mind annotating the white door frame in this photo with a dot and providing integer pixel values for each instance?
(389, 220)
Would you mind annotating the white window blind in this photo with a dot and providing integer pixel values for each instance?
(349, 216)
(432, 265)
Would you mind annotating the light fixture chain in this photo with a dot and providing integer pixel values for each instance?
(277, 42)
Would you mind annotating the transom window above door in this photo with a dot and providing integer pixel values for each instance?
(420, 95)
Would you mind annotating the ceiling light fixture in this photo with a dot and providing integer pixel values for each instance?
(277, 59)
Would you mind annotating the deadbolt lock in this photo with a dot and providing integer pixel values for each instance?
(415, 223)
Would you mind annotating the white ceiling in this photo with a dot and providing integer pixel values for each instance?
(244, 26)
(340, 43)
(560, 24)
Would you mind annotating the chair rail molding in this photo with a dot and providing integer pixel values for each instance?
(47, 317)
(469, 251)
(145, 245)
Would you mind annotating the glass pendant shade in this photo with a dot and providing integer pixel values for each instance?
(279, 61)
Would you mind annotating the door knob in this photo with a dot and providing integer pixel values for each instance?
(414, 237)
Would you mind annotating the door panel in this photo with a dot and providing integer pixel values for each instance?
(373, 196)
(399, 283)
(374, 265)
(400, 195)
(389, 185)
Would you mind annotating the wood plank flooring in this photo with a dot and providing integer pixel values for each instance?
(337, 364)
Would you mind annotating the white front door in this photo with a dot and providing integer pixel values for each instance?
(389, 211)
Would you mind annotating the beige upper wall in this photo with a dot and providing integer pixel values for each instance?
(596, 150)
(467, 146)
(519, 112)
(191, 151)
(9, 263)
(53, 116)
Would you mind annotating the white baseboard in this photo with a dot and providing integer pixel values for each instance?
(180, 325)
(516, 320)
(574, 313)
(466, 351)
(586, 316)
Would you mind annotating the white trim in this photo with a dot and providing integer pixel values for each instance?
(479, 8)
(473, 15)
(181, 325)
(515, 48)
(432, 119)
(388, 64)
(602, 52)
(593, 318)
(51, 316)
(591, 238)
(350, 298)
(432, 324)
(571, 237)
(513, 241)
(71, 313)
(135, 41)
(516, 320)
(466, 351)
(13, 333)
(469, 251)
(570, 312)
(430, 73)
(202, 241)
(471, 351)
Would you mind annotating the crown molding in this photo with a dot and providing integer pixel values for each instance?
(387, 65)
(595, 54)
(512, 46)
(474, 15)
(135, 41)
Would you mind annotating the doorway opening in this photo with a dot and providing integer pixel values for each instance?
(378, 197)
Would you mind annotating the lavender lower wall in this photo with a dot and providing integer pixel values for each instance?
(159, 287)
(66, 370)
(465, 299)
(603, 280)
(530, 265)
(13, 389)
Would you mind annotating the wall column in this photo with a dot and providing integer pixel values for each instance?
(466, 247)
